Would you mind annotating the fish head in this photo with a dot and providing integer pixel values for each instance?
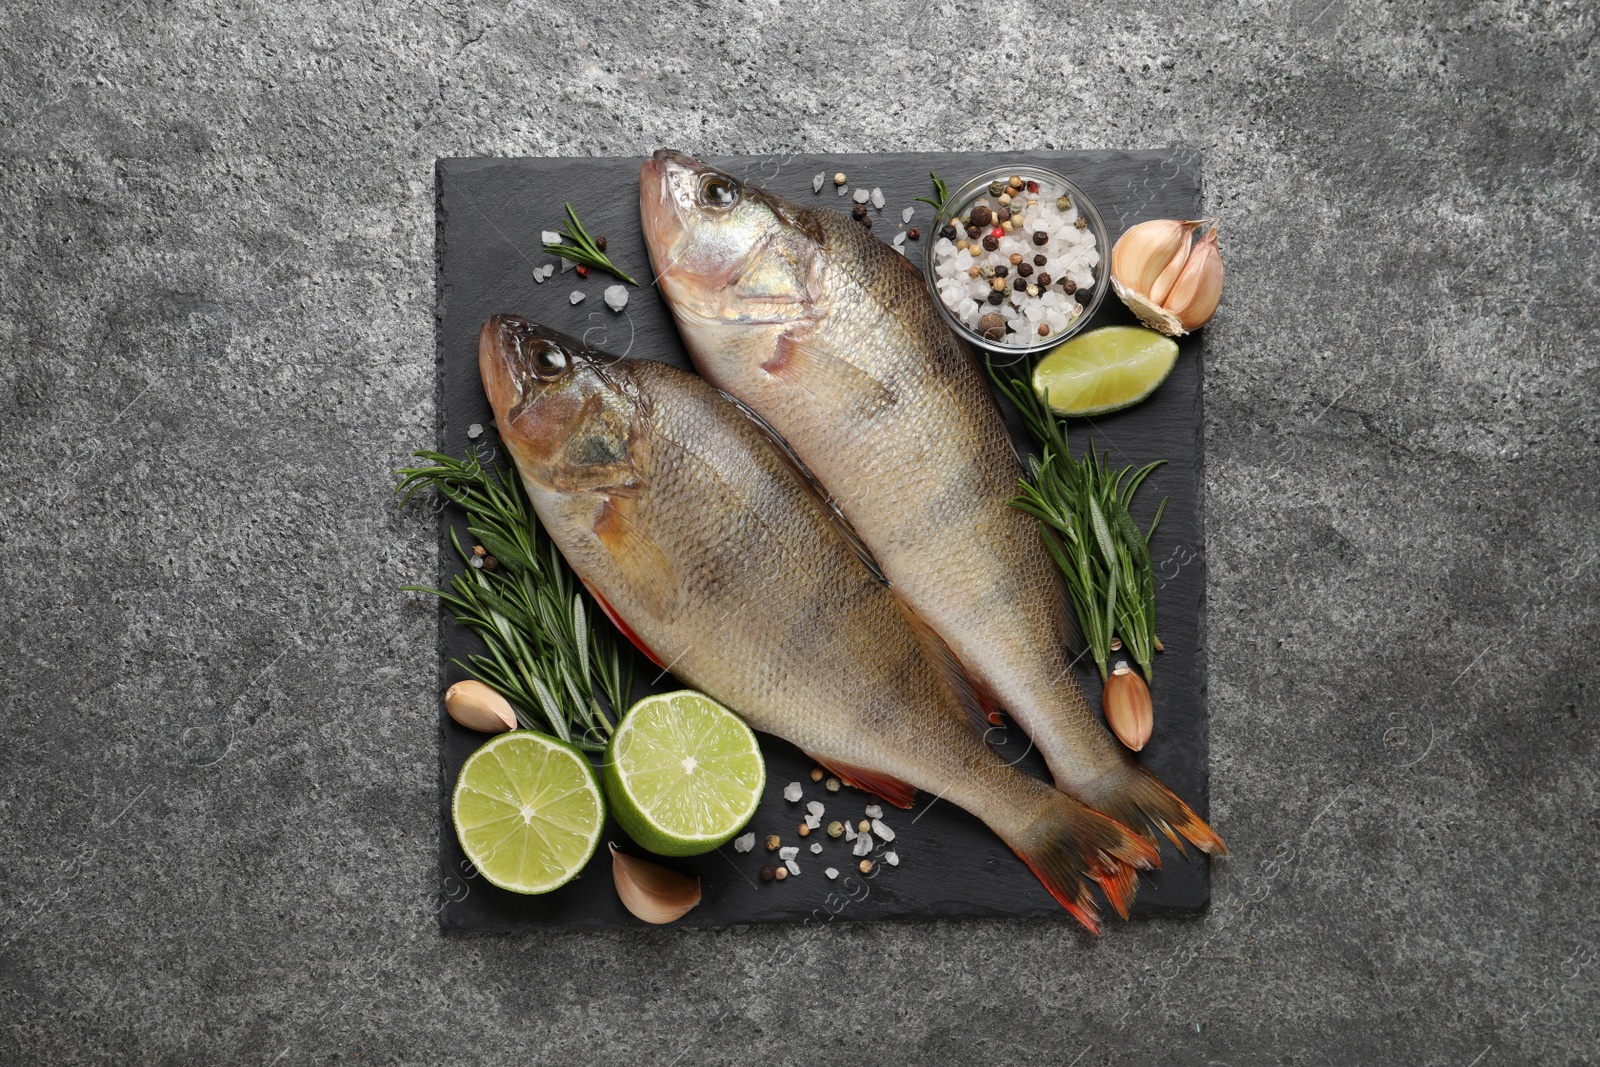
(569, 415)
(738, 265)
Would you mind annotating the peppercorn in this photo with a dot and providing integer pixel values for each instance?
(1040, 237)
(974, 271)
(995, 298)
(1003, 214)
(600, 243)
(490, 563)
(981, 215)
(992, 327)
(1005, 199)
(831, 785)
(773, 842)
(1033, 187)
(990, 242)
(583, 272)
(949, 231)
(1019, 284)
(914, 234)
(996, 187)
(1043, 279)
(859, 211)
(805, 830)
(865, 867)
(1024, 269)
(1033, 290)
(838, 179)
(998, 285)
(836, 828)
(863, 826)
(781, 873)
(1016, 181)
(1069, 285)
(972, 232)
(866, 222)
(1064, 203)
(1044, 331)
(1001, 271)
(1016, 257)
(1040, 260)
(1081, 223)
(767, 872)
(816, 774)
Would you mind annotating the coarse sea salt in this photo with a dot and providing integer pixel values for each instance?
(849, 832)
(905, 216)
(816, 183)
(788, 852)
(794, 868)
(791, 792)
(863, 195)
(616, 297)
(813, 821)
(863, 845)
(816, 848)
(832, 872)
(550, 237)
(883, 832)
(874, 811)
(745, 842)
(877, 198)
(815, 807)
(576, 297)
(891, 859)
(475, 431)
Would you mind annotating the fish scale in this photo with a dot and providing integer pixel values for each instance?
(694, 534)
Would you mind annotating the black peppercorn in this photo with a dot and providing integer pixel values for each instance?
(949, 232)
(1040, 237)
(600, 243)
(1002, 215)
(1069, 285)
(1020, 285)
(995, 297)
(981, 216)
(768, 872)
(1040, 260)
(990, 242)
(992, 327)
(972, 233)
(1043, 279)
(859, 211)
(914, 233)
(865, 221)
(1024, 269)
(1001, 271)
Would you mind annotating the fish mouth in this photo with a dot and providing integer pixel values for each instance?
(667, 182)
(501, 343)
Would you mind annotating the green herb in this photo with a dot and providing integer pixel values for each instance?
(584, 249)
(1101, 551)
(939, 187)
(544, 655)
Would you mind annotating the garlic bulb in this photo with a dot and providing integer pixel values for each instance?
(1170, 281)
(650, 891)
(477, 707)
(1126, 701)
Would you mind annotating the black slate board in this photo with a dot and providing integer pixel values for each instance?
(491, 213)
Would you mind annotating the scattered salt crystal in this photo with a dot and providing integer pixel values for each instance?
(816, 183)
(849, 832)
(788, 852)
(899, 248)
(815, 807)
(538, 275)
(883, 832)
(891, 859)
(475, 431)
(745, 842)
(791, 792)
(550, 237)
(576, 297)
(794, 868)
(816, 848)
(813, 821)
(832, 872)
(863, 845)
(616, 297)
(900, 238)
(877, 197)
(905, 216)
(874, 811)
(843, 189)
(566, 265)
(863, 195)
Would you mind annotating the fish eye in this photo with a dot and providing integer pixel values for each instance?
(549, 362)
(717, 190)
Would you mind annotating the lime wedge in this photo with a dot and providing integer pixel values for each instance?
(683, 774)
(1104, 370)
(528, 811)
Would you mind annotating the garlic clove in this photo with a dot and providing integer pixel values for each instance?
(1152, 315)
(1198, 289)
(1141, 254)
(1126, 702)
(1169, 274)
(477, 707)
(651, 892)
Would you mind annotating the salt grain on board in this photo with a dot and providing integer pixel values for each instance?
(863, 845)
(832, 872)
(816, 848)
(550, 237)
(791, 792)
(877, 198)
(745, 842)
(475, 431)
(616, 297)
(874, 811)
(794, 868)
(788, 852)
(905, 216)
(576, 297)
(816, 183)
(891, 859)
(883, 832)
(862, 196)
(815, 807)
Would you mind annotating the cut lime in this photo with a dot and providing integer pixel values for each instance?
(1104, 370)
(528, 811)
(683, 774)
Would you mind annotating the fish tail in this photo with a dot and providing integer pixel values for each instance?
(1135, 797)
(1070, 849)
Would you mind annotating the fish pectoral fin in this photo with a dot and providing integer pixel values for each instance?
(890, 788)
(622, 625)
(644, 566)
(812, 486)
(799, 362)
(981, 709)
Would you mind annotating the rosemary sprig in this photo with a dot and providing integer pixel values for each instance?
(939, 187)
(583, 248)
(544, 654)
(1101, 551)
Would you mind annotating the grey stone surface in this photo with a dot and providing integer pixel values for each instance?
(217, 832)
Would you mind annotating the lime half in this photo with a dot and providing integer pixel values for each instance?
(1104, 370)
(528, 811)
(683, 774)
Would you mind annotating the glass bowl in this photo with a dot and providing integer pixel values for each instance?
(962, 197)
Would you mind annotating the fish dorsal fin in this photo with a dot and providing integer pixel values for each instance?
(809, 483)
(644, 566)
(973, 698)
(799, 361)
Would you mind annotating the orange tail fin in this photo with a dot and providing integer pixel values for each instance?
(1135, 797)
(1069, 848)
